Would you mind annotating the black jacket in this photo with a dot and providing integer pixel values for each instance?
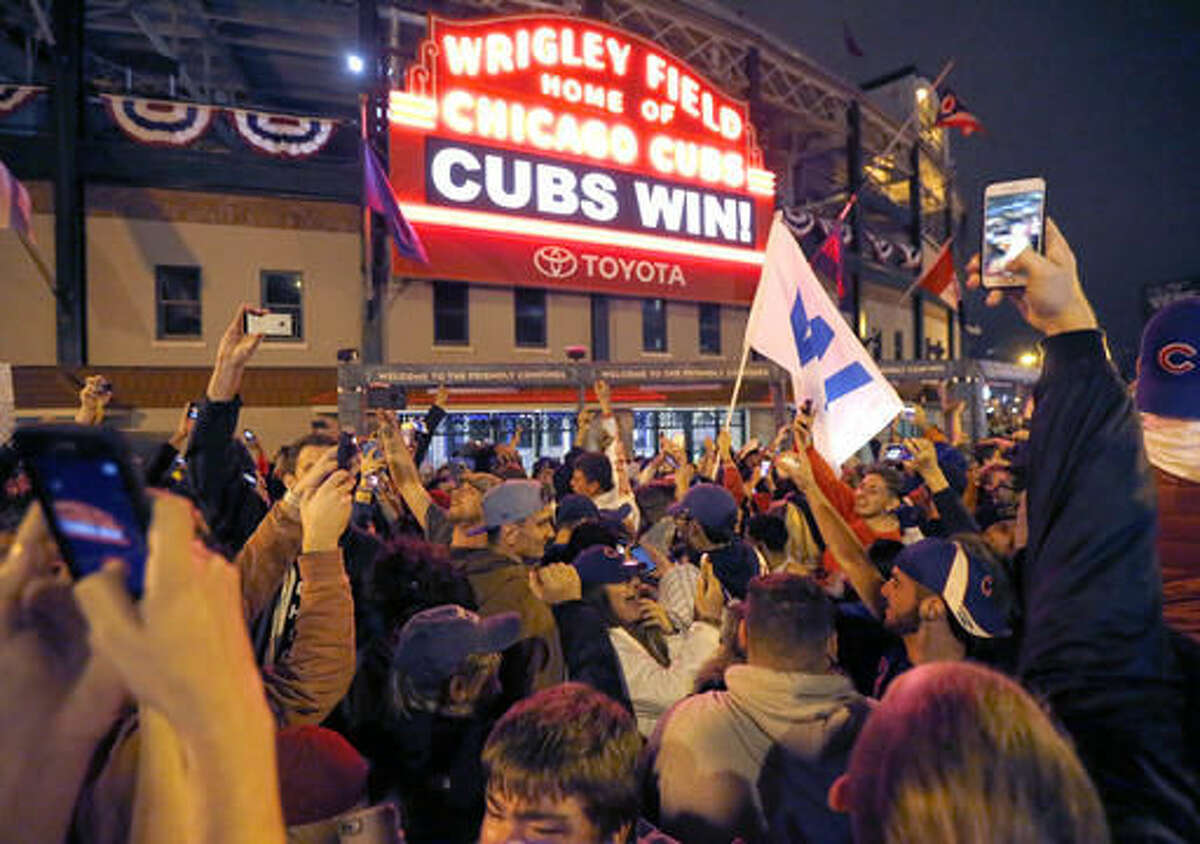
(1094, 643)
(588, 651)
(222, 473)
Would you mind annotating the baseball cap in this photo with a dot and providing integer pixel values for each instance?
(710, 505)
(510, 502)
(964, 581)
(575, 508)
(600, 564)
(1168, 380)
(433, 643)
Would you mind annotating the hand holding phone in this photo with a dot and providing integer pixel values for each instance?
(92, 498)
(1052, 301)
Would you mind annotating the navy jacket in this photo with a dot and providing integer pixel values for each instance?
(1094, 644)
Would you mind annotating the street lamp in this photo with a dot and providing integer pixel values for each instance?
(355, 63)
(1028, 359)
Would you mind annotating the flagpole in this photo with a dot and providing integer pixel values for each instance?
(737, 383)
(43, 270)
(365, 228)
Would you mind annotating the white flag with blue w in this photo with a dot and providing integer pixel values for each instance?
(795, 323)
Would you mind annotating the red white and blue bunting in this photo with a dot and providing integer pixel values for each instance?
(283, 135)
(159, 122)
(12, 97)
(811, 231)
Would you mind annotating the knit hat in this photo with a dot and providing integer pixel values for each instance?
(1168, 381)
(320, 774)
(964, 582)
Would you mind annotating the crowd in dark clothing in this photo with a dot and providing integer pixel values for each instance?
(748, 646)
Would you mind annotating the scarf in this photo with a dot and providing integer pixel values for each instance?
(1173, 445)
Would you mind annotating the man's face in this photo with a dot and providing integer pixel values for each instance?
(308, 455)
(580, 485)
(903, 597)
(872, 497)
(532, 534)
(466, 505)
(510, 820)
(624, 600)
(1001, 537)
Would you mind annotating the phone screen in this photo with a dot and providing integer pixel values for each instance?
(639, 554)
(896, 452)
(93, 513)
(1011, 222)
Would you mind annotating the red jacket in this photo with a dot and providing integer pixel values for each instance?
(1179, 551)
(841, 496)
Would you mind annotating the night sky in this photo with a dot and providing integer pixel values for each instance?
(1102, 99)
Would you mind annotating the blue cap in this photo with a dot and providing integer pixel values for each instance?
(599, 564)
(710, 505)
(433, 644)
(575, 508)
(1168, 378)
(965, 583)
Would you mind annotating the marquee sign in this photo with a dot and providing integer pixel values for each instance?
(558, 152)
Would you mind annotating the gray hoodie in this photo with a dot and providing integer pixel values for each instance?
(755, 761)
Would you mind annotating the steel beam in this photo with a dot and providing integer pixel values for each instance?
(69, 227)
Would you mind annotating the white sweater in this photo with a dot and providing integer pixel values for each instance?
(652, 688)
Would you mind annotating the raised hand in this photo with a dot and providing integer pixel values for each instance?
(1052, 300)
(924, 457)
(325, 512)
(93, 400)
(556, 583)
(796, 466)
(710, 599)
(233, 353)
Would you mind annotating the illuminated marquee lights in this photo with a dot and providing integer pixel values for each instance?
(507, 224)
(471, 63)
(545, 126)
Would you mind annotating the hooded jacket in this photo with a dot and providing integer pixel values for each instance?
(756, 761)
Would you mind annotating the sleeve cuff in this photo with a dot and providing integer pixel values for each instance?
(1064, 351)
(321, 566)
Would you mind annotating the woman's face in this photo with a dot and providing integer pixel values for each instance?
(624, 601)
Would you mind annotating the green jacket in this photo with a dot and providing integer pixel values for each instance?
(500, 585)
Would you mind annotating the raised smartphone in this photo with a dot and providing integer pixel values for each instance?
(1014, 217)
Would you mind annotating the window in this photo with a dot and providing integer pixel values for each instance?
(710, 329)
(898, 345)
(177, 301)
(654, 325)
(283, 293)
(599, 327)
(451, 326)
(530, 311)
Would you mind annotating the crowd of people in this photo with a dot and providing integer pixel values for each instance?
(963, 644)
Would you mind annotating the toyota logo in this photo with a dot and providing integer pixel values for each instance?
(555, 262)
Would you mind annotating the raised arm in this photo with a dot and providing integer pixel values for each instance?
(839, 537)
(1094, 645)
(405, 474)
